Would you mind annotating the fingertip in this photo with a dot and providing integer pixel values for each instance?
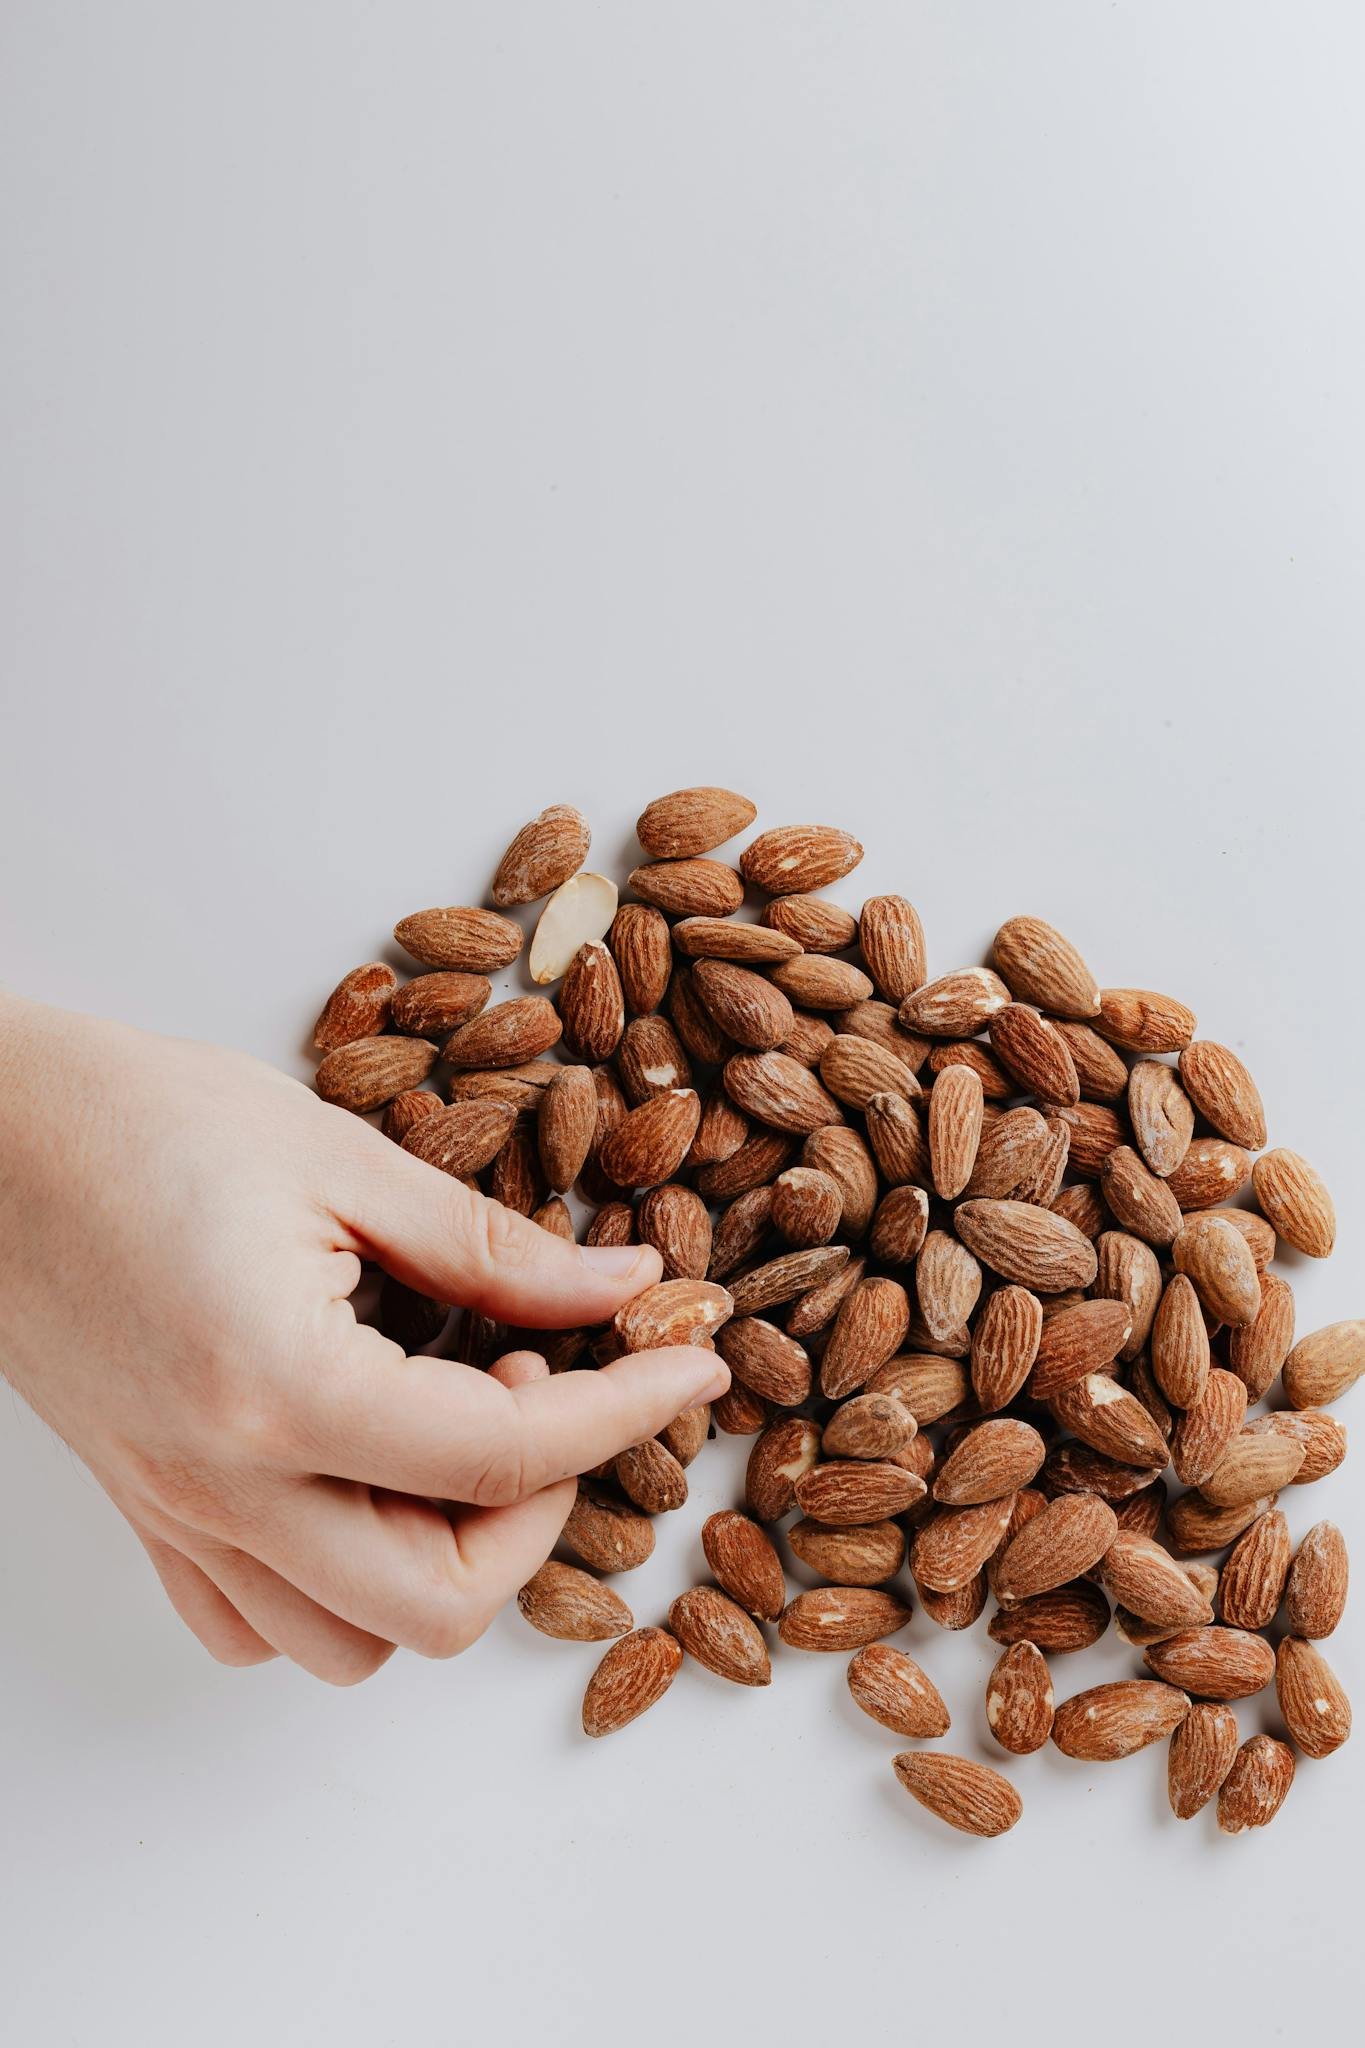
(634, 1266)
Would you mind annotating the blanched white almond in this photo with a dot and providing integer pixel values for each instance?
(580, 909)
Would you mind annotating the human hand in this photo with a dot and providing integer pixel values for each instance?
(180, 1231)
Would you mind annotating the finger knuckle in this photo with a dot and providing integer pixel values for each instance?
(508, 1245)
(500, 1476)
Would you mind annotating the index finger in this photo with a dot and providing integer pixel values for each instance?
(429, 1426)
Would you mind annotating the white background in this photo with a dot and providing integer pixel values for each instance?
(939, 419)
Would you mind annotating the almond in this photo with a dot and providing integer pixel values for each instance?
(560, 1600)
(1295, 1202)
(891, 1687)
(1009, 1151)
(868, 1330)
(739, 1231)
(855, 1069)
(1162, 1116)
(739, 1411)
(1251, 1465)
(784, 1453)
(955, 1108)
(898, 1140)
(953, 1545)
(605, 1533)
(968, 1796)
(365, 1073)
(1255, 1230)
(1218, 1260)
(614, 1224)
(817, 925)
(1070, 1618)
(783, 1278)
(1072, 1467)
(1214, 1662)
(1322, 1367)
(358, 1007)
(1108, 1722)
(1004, 1345)
(1026, 1244)
(675, 1221)
(641, 948)
(1019, 1699)
(1211, 1172)
(694, 1024)
(650, 1143)
(721, 938)
(841, 1618)
(1067, 1538)
(770, 1363)
(1224, 1093)
(1180, 1344)
(773, 1089)
(929, 1387)
(842, 1154)
(996, 1085)
(721, 1132)
(794, 858)
(591, 1004)
(544, 853)
(1194, 1526)
(471, 941)
(1257, 1785)
(1258, 1350)
(818, 983)
(521, 1086)
(692, 821)
(515, 1178)
(565, 1124)
(1042, 967)
(1102, 1073)
(1315, 1592)
(1035, 1053)
(719, 1634)
(1322, 1436)
(848, 1492)
(1203, 1749)
(580, 913)
(1094, 1131)
(864, 1554)
(744, 1004)
(672, 1312)
(1108, 1418)
(880, 1024)
(1253, 1579)
(651, 1476)
(1206, 1429)
(990, 1461)
(686, 1434)
(407, 1109)
(869, 1426)
(806, 1041)
(1127, 1271)
(689, 888)
(750, 1168)
(462, 1138)
(948, 1286)
(506, 1035)
(1140, 1021)
(960, 1608)
(742, 1557)
(1146, 1579)
(433, 1004)
(892, 941)
(634, 1674)
(1143, 1204)
(956, 1005)
(1076, 1341)
(806, 1206)
(899, 1226)
(817, 1308)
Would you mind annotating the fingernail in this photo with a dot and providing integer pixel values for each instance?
(616, 1261)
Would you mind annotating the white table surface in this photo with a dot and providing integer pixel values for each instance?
(941, 421)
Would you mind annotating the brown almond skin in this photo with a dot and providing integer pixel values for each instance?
(745, 1564)
(689, 888)
(1257, 1785)
(1203, 1433)
(1143, 1204)
(868, 1330)
(1257, 1352)
(787, 1449)
(1035, 1053)
(1325, 1364)
(1252, 1465)
(650, 1143)
(1026, 1244)
(463, 1137)
(868, 1426)
(607, 1534)
(1005, 1345)
(1127, 1270)
(991, 1460)
(1214, 1662)
(747, 1006)
(365, 1073)
(954, 1005)
(544, 853)
(1139, 1020)
(688, 822)
(717, 1632)
(1203, 1749)
(1180, 1343)
(359, 1006)
(1194, 1527)
(1322, 1435)
(1144, 1578)
(1252, 1582)
(960, 1607)
(1019, 1699)
(592, 1004)
(634, 1674)
(1070, 1618)
(892, 941)
(955, 1110)
(817, 925)
(407, 1109)
(893, 1689)
(1071, 1534)
(675, 1220)
(1295, 1202)
(841, 1618)
(1162, 1116)
(846, 1492)
(1219, 1261)
(505, 1036)
(467, 940)
(1076, 1341)
(640, 946)
(968, 1796)
(1224, 1093)
(560, 1600)
(650, 1060)
(783, 1278)
(651, 1476)
(843, 1154)
(1211, 1172)
(952, 1546)
(866, 1554)
(1312, 1698)
(1319, 1577)
(1111, 1420)
(791, 859)
(806, 1207)
(768, 1361)
(1043, 968)
(1109, 1722)
(777, 1091)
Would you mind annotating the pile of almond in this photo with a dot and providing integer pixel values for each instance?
(986, 1254)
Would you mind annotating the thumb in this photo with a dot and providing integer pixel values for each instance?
(435, 1234)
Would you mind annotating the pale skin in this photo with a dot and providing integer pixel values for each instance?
(181, 1228)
